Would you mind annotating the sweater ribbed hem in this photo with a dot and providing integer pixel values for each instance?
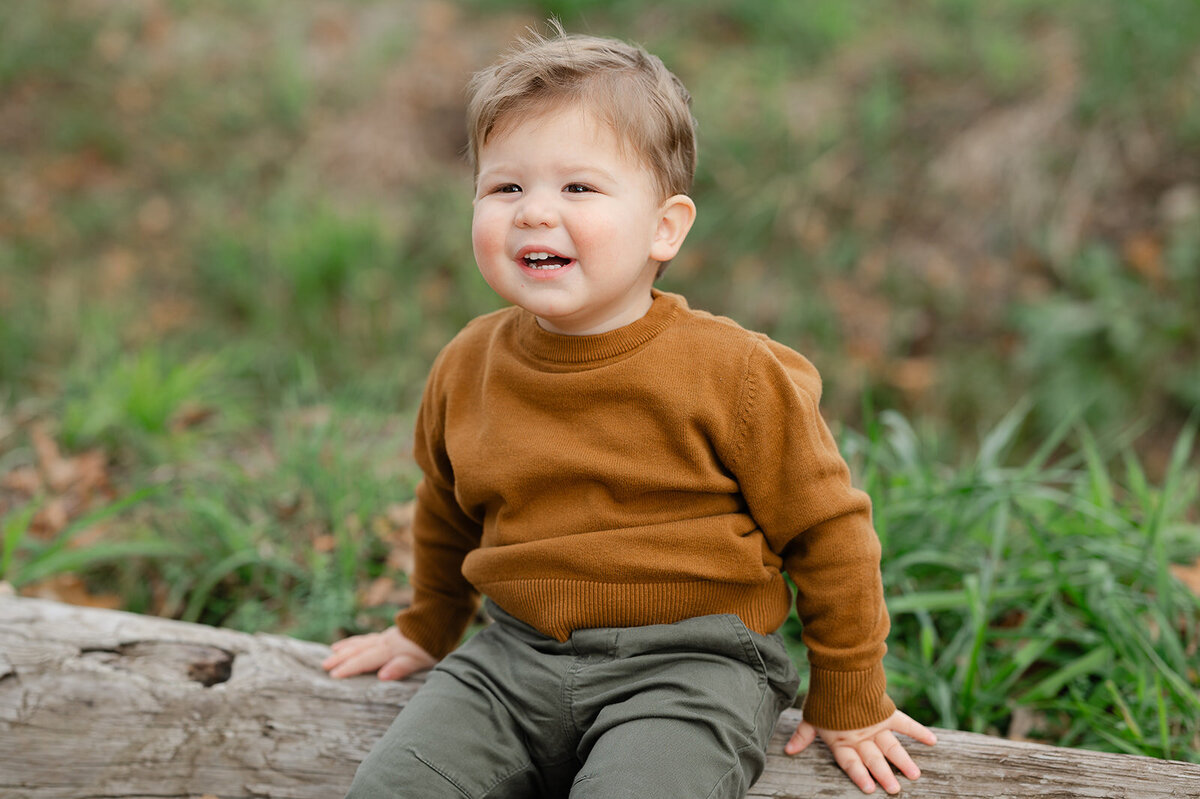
(558, 607)
(847, 700)
(583, 350)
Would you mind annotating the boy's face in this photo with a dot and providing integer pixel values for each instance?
(569, 226)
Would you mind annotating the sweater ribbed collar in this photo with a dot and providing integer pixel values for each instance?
(583, 350)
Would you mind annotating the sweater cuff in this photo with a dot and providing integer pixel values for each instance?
(433, 629)
(847, 700)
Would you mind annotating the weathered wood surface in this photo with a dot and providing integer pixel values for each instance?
(97, 703)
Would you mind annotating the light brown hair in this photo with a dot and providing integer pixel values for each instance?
(624, 86)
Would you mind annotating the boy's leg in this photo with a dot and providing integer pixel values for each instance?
(469, 731)
(683, 710)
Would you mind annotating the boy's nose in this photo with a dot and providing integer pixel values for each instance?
(534, 211)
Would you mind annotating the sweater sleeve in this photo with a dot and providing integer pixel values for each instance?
(797, 487)
(443, 600)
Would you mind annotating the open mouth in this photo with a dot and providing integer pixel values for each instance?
(544, 260)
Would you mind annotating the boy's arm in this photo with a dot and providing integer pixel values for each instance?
(443, 600)
(443, 534)
(797, 487)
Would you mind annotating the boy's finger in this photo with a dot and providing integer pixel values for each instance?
(333, 660)
(879, 767)
(398, 668)
(342, 669)
(801, 738)
(348, 646)
(913, 729)
(358, 664)
(849, 761)
(894, 751)
(339, 656)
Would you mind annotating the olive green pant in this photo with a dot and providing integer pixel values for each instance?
(673, 710)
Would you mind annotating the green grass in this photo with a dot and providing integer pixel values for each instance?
(25, 559)
(288, 538)
(1043, 585)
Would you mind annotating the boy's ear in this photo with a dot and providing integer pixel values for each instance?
(675, 218)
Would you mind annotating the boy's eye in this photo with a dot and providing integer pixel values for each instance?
(576, 188)
(508, 188)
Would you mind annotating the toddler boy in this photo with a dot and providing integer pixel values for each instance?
(626, 480)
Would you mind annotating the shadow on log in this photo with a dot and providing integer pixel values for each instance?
(97, 703)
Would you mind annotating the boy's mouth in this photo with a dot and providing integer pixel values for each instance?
(544, 260)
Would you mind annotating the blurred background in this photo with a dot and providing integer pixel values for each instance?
(234, 233)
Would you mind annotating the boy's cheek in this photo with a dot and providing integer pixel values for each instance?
(483, 240)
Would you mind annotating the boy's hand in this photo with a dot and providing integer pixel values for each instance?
(864, 754)
(389, 652)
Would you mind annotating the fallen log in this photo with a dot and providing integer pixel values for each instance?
(99, 703)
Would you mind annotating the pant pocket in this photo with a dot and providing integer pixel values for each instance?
(777, 662)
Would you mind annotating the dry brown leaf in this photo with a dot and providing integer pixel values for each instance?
(111, 44)
(24, 480)
(82, 474)
(118, 267)
(1024, 721)
(400, 514)
(381, 591)
(1143, 252)
(192, 415)
(168, 314)
(155, 215)
(384, 591)
(913, 376)
(1012, 619)
(330, 30)
(90, 536)
(376, 593)
(70, 588)
(288, 505)
(90, 472)
(51, 518)
(156, 24)
(133, 95)
(395, 527)
(1188, 575)
(76, 170)
(400, 557)
(55, 469)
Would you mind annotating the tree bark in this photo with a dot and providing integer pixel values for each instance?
(99, 703)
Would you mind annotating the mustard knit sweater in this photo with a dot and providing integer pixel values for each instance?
(672, 468)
